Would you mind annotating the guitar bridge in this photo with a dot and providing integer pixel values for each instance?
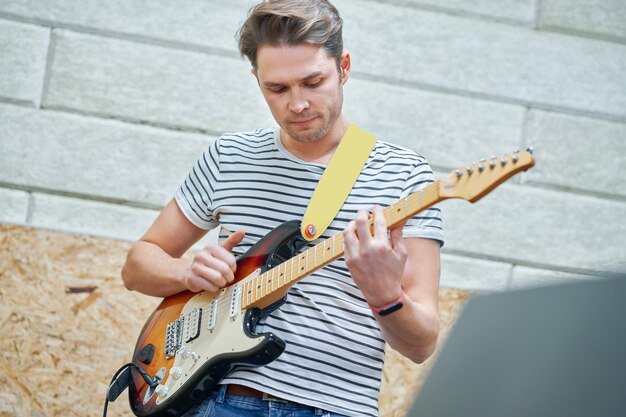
(173, 337)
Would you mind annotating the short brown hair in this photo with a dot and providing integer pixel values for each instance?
(292, 22)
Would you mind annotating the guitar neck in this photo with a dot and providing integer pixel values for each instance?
(289, 272)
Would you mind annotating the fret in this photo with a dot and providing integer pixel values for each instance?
(315, 260)
(397, 212)
(270, 282)
(259, 283)
(267, 281)
(275, 275)
(299, 262)
(263, 284)
(290, 261)
(300, 267)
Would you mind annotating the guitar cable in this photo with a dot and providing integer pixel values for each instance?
(122, 380)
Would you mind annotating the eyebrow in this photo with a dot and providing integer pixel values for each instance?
(308, 77)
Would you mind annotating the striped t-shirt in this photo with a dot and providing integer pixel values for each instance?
(334, 354)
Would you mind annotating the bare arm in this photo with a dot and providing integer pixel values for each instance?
(384, 268)
(154, 267)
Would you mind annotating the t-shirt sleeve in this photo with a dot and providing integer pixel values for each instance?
(195, 195)
(427, 223)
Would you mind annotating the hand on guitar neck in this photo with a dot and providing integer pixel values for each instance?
(396, 273)
(376, 260)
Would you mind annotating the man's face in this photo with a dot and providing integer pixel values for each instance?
(303, 88)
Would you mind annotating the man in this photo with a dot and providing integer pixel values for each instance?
(249, 183)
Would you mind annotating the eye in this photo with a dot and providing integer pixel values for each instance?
(313, 84)
(277, 89)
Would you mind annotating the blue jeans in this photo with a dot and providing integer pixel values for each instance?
(220, 404)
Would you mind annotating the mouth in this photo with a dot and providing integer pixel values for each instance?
(302, 122)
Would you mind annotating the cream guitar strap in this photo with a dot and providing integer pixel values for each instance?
(337, 180)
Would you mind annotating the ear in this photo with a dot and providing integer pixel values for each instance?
(344, 67)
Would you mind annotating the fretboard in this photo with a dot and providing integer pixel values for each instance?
(289, 272)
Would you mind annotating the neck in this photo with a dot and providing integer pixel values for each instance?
(321, 150)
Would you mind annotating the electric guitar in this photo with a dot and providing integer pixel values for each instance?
(192, 340)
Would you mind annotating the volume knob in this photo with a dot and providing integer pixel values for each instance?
(176, 372)
(161, 390)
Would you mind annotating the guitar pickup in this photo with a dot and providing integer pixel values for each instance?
(192, 324)
(212, 318)
(235, 302)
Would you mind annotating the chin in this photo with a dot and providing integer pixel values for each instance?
(308, 135)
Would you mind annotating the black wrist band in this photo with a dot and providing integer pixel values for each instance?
(388, 310)
(395, 305)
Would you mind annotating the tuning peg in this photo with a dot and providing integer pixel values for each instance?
(514, 158)
(481, 168)
(503, 161)
(492, 164)
(459, 173)
(530, 150)
(470, 170)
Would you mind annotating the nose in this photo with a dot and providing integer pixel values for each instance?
(298, 102)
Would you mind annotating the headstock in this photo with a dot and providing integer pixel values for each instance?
(478, 179)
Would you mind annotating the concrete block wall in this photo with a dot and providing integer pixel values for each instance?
(104, 106)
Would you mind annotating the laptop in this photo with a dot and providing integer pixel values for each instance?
(554, 351)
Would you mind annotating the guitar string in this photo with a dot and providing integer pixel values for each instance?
(263, 280)
(428, 196)
(260, 282)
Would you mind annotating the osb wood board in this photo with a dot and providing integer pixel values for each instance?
(401, 377)
(67, 324)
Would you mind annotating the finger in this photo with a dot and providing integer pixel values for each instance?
(197, 284)
(216, 256)
(397, 241)
(233, 240)
(363, 227)
(217, 259)
(350, 240)
(222, 267)
(209, 274)
(223, 251)
(380, 223)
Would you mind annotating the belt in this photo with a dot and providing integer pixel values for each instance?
(243, 391)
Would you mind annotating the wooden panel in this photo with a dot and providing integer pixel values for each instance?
(67, 324)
